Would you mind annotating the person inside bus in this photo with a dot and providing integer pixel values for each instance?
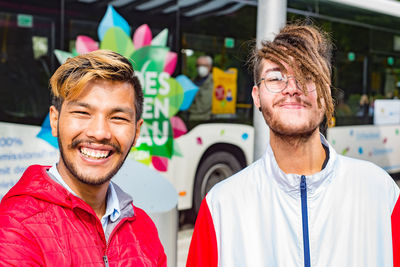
(70, 214)
(342, 109)
(364, 109)
(302, 203)
(201, 106)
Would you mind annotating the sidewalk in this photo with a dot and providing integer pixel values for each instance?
(184, 237)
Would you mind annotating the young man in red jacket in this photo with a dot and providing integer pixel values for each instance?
(70, 214)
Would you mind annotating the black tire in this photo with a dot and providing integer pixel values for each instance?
(213, 169)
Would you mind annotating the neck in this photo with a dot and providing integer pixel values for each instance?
(93, 195)
(298, 155)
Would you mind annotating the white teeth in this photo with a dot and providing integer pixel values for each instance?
(92, 153)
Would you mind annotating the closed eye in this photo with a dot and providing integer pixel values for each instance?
(80, 112)
(274, 76)
(119, 118)
(276, 79)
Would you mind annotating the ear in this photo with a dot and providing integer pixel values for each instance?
(137, 134)
(53, 115)
(256, 96)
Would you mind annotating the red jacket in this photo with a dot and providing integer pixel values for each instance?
(42, 224)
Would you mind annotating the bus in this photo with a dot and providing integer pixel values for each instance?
(192, 155)
(35, 35)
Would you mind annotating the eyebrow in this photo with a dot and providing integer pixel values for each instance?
(114, 110)
(124, 110)
(273, 69)
(77, 103)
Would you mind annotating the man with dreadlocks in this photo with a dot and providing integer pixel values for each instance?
(301, 204)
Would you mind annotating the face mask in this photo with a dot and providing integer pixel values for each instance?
(202, 71)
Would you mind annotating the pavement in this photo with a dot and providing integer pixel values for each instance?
(184, 237)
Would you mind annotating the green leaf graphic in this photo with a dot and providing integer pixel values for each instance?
(159, 134)
(152, 58)
(175, 96)
(177, 150)
(161, 39)
(116, 40)
(62, 56)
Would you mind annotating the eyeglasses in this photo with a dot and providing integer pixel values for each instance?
(276, 82)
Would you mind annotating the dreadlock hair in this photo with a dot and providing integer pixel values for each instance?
(308, 50)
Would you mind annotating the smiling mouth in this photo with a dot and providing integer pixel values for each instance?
(292, 105)
(285, 103)
(94, 153)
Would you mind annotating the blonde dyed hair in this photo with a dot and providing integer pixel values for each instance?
(308, 51)
(71, 77)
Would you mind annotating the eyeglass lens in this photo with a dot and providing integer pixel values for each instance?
(276, 81)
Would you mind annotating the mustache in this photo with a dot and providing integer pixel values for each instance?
(75, 143)
(298, 100)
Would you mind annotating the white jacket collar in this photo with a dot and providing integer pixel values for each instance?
(290, 183)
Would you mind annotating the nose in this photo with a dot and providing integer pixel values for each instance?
(292, 87)
(99, 128)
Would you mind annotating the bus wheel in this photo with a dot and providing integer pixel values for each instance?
(213, 169)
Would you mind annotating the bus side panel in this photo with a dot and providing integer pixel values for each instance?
(182, 170)
(378, 144)
(20, 148)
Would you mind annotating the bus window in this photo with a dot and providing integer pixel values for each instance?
(25, 67)
(229, 49)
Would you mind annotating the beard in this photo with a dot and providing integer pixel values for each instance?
(287, 132)
(80, 176)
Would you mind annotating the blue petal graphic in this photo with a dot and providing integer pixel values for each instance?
(189, 91)
(112, 19)
(45, 133)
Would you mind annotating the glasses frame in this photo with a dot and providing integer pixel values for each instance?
(286, 80)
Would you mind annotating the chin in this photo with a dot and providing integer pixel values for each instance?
(90, 180)
(92, 175)
(294, 129)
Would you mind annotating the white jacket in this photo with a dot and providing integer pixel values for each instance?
(257, 218)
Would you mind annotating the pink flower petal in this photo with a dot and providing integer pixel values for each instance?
(85, 44)
(170, 62)
(199, 141)
(142, 36)
(178, 126)
(160, 163)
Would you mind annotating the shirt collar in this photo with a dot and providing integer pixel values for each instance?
(113, 210)
(53, 171)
